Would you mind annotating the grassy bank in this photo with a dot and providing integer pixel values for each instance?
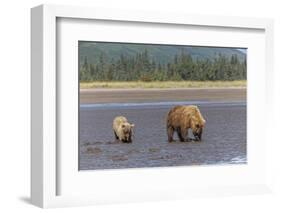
(162, 84)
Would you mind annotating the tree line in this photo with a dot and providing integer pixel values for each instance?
(142, 68)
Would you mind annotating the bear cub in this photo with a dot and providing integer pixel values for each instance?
(122, 129)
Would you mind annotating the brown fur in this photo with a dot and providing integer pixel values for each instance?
(181, 118)
(122, 129)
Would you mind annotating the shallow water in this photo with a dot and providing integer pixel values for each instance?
(152, 105)
(224, 137)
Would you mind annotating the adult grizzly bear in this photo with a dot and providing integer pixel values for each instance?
(122, 129)
(181, 118)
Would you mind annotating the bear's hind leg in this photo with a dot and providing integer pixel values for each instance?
(116, 137)
(170, 132)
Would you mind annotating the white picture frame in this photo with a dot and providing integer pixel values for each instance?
(44, 150)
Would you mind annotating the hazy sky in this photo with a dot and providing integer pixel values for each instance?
(244, 50)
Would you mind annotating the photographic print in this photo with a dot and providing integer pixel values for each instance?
(155, 105)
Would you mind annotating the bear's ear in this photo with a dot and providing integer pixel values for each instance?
(203, 123)
(132, 125)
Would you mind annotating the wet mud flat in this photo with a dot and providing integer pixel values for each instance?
(224, 138)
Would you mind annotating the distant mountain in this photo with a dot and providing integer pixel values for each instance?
(159, 53)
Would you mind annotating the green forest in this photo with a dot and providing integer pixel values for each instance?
(142, 67)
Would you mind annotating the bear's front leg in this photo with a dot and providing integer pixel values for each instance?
(180, 134)
(130, 138)
(198, 135)
(184, 134)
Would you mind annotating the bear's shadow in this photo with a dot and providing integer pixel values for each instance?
(187, 141)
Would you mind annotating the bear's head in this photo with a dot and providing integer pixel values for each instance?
(127, 130)
(197, 126)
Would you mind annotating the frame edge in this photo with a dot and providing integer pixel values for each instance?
(37, 106)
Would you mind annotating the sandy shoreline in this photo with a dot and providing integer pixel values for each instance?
(155, 89)
(92, 96)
